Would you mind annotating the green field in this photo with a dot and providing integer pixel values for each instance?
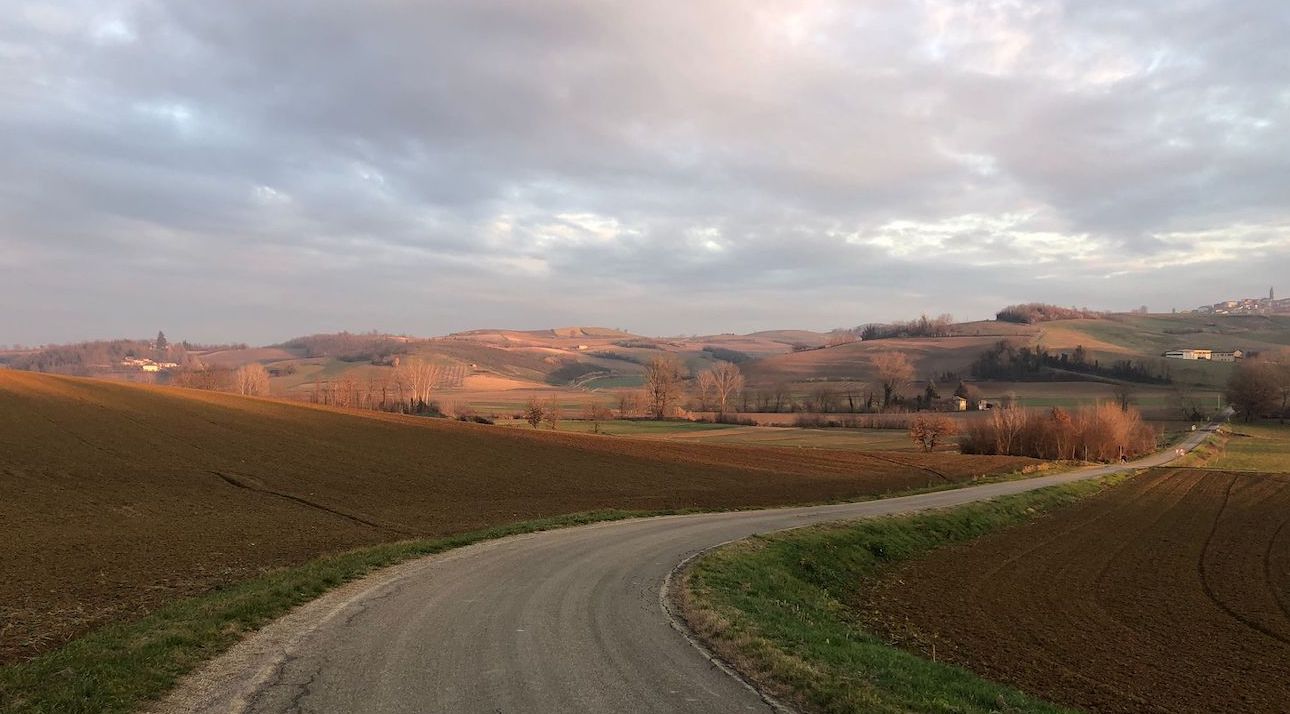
(857, 439)
(625, 381)
(615, 427)
(734, 435)
(1258, 447)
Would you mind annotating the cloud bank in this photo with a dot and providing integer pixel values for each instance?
(253, 171)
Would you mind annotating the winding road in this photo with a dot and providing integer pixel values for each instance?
(571, 620)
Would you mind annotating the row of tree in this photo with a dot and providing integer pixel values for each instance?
(1017, 361)
(668, 388)
(1103, 432)
(249, 379)
(942, 326)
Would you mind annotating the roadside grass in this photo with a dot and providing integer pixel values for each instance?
(120, 667)
(777, 608)
(1256, 447)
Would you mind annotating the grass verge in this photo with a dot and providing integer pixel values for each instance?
(120, 667)
(776, 607)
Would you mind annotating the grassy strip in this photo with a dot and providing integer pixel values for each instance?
(120, 667)
(775, 607)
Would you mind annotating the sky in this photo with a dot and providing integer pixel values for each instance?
(253, 171)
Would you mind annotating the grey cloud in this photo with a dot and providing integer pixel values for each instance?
(280, 167)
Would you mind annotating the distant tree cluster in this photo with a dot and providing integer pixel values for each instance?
(1030, 313)
(406, 389)
(727, 355)
(942, 326)
(1260, 388)
(351, 347)
(637, 344)
(621, 356)
(1105, 432)
(87, 358)
(573, 371)
(1012, 360)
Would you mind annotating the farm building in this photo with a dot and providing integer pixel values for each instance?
(1227, 355)
(1189, 354)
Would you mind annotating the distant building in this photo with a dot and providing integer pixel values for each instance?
(958, 404)
(1189, 354)
(1226, 355)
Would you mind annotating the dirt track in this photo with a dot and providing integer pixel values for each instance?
(115, 499)
(1170, 593)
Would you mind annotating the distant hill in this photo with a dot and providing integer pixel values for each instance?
(501, 368)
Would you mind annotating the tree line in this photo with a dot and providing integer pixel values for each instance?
(1104, 432)
(1011, 360)
(1032, 312)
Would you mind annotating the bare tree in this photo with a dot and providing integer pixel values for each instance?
(534, 413)
(721, 384)
(552, 412)
(894, 373)
(1008, 421)
(251, 379)
(631, 403)
(663, 380)
(823, 399)
(595, 412)
(929, 430)
(419, 377)
(853, 393)
(781, 398)
(1123, 392)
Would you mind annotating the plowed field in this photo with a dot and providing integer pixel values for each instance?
(1170, 594)
(117, 498)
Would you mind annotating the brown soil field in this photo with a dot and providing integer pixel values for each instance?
(116, 498)
(1170, 593)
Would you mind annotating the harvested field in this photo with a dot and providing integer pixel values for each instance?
(1170, 593)
(115, 498)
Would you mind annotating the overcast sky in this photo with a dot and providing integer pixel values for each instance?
(254, 170)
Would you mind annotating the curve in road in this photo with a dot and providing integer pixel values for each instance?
(559, 621)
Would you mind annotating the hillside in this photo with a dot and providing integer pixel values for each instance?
(117, 498)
